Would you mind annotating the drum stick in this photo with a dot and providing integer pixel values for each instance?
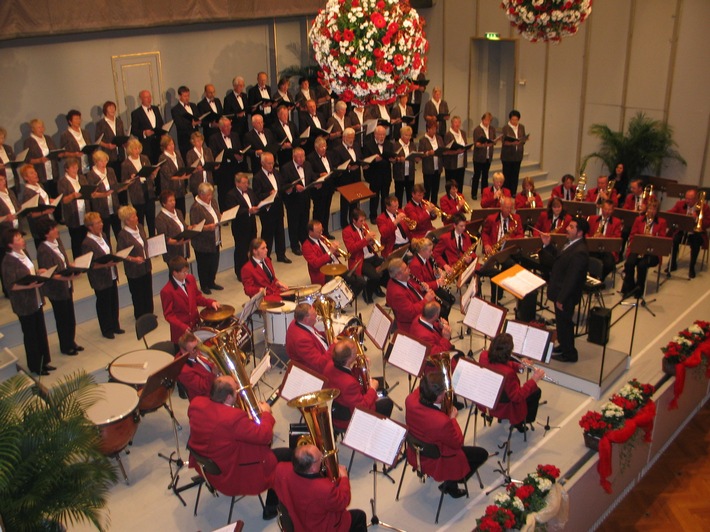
(137, 365)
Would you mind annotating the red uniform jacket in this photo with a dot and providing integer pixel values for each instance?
(521, 201)
(405, 304)
(355, 246)
(592, 196)
(312, 501)
(613, 229)
(303, 347)
(681, 208)
(491, 227)
(446, 252)
(630, 202)
(351, 395)
(659, 228)
(544, 223)
(180, 309)
(421, 215)
(450, 206)
(387, 232)
(515, 409)
(424, 333)
(423, 271)
(315, 257)
(487, 199)
(239, 446)
(431, 425)
(254, 278)
(196, 379)
(558, 192)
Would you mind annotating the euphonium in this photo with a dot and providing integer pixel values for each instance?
(325, 307)
(581, 189)
(315, 408)
(361, 368)
(227, 357)
(699, 207)
(443, 362)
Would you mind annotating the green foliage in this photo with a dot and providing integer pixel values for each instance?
(644, 147)
(52, 473)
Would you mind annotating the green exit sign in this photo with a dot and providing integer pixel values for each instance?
(492, 36)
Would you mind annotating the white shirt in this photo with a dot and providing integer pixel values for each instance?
(287, 130)
(39, 190)
(201, 157)
(150, 114)
(111, 124)
(54, 247)
(384, 114)
(135, 233)
(107, 187)
(489, 147)
(106, 249)
(5, 198)
(405, 152)
(80, 203)
(514, 128)
(174, 217)
(9, 172)
(246, 197)
(399, 237)
(215, 220)
(366, 250)
(44, 148)
(458, 137)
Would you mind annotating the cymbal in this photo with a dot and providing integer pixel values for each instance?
(333, 269)
(221, 314)
(265, 305)
(302, 291)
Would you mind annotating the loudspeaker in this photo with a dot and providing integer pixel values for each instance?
(526, 307)
(421, 4)
(599, 323)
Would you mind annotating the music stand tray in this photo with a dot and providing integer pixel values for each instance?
(500, 257)
(682, 222)
(529, 216)
(660, 183)
(581, 209)
(678, 190)
(356, 192)
(482, 214)
(474, 227)
(603, 244)
(436, 233)
(165, 374)
(627, 216)
(661, 246)
(529, 245)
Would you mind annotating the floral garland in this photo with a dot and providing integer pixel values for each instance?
(546, 20)
(520, 499)
(686, 350)
(369, 50)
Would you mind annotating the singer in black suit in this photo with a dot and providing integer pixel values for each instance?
(379, 172)
(285, 134)
(322, 162)
(146, 125)
(235, 103)
(567, 277)
(210, 104)
(265, 182)
(255, 97)
(261, 140)
(244, 225)
(349, 151)
(226, 140)
(187, 119)
(315, 121)
(296, 175)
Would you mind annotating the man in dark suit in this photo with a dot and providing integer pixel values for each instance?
(146, 125)
(349, 151)
(286, 135)
(187, 119)
(210, 104)
(235, 103)
(569, 271)
(315, 121)
(266, 182)
(257, 94)
(261, 140)
(244, 225)
(379, 172)
(323, 162)
(296, 174)
(227, 140)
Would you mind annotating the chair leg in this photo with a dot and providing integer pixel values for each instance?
(231, 507)
(401, 479)
(480, 482)
(438, 509)
(350, 465)
(197, 499)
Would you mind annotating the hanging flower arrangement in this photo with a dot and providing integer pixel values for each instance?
(369, 50)
(546, 20)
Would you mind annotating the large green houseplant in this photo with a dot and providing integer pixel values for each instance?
(642, 149)
(52, 473)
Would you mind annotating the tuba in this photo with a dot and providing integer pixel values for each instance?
(442, 361)
(315, 408)
(325, 307)
(227, 357)
(361, 368)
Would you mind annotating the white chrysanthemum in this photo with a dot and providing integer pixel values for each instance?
(543, 484)
(501, 498)
(518, 504)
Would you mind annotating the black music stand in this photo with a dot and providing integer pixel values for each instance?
(482, 214)
(474, 227)
(677, 222)
(602, 244)
(661, 184)
(628, 216)
(650, 245)
(436, 233)
(581, 209)
(529, 216)
(678, 190)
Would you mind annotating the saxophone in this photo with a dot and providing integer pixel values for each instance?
(501, 242)
(458, 267)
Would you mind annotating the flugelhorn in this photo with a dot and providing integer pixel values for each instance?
(466, 207)
(412, 224)
(376, 245)
(581, 189)
(340, 252)
(436, 209)
(315, 408)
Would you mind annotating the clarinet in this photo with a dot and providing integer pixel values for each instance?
(426, 288)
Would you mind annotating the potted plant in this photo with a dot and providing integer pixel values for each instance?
(52, 473)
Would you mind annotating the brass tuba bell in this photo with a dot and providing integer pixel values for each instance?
(442, 361)
(325, 307)
(361, 368)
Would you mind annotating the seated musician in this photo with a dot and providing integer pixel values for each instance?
(608, 226)
(452, 202)
(180, 298)
(313, 501)
(424, 270)
(304, 344)
(198, 373)
(518, 404)
(394, 232)
(342, 375)
(423, 212)
(646, 224)
(359, 242)
(491, 196)
(258, 272)
(452, 245)
(318, 252)
(404, 298)
(567, 190)
(554, 219)
(695, 239)
(634, 200)
(601, 192)
(239, 446)
(528, 198)
(428, 422)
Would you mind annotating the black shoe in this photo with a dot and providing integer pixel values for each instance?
(691, 273)
(217, 287)
(452, 489)
(557, 349)
(520, 427)
(119, 331)
(379, 292)
(49, 368)
(110, 335)
(70, 352)
(78, 347)
(284, 259)
(206, 291)
(674, 266)
(474, 197)
(270, 512)
(459, 405)
(297, 252)
(564, 358)
(43, 372)
(367, 297)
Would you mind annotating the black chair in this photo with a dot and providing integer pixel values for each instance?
(145, 324)
(591, 290)
(426, 450)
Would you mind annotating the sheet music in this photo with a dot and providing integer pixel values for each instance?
(378, 327)
(84, 261)
(467, 296)
(528, 341)
(467, 273)
(297, 382)
(407, 354)
(156, 246)
(229, 214)
(483, 317)
(522, 282)
(476, 384)
(376, 437)
(268, 200)
(261, 368)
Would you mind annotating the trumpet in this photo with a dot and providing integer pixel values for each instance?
(581, 189)
(531, 367)
(436, 209)
(412, 224)
(531, 199)
(466, 207)
(340, 252)
(376, 245)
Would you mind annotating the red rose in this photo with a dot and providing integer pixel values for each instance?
(398, 59)
(387, 68)
(348, 35)
(354, 60)
(364, 85)
(386, 40)
(356, 3)
(370, 73)
(393, 27)
(378, 20)
(347, 95)
(380, 5)
(378, 53)
(337, 37)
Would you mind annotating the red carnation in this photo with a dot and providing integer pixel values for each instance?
(337, 37)
(364, 85)
(387, 68)
(370, 73)
(378, 20)
(347, 95)
(378, 53)
(393, 27)
(523, 492)
(348, 35)
(354, 60)
(386, 40)
(398, 60)
(380, 5)
(355, 3)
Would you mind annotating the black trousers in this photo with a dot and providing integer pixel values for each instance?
(321, 207)
(565, 329)
(457, 174)
(400, 187)
(480, 175)
(142, 294)
(640, 264)
(207, 266)
(107, 308)
(34, 334)
(112, 223)
(608, 262)
(242, 237)
(476, 457)
(358, 521)
(272, 229)
(511, 172)
(297, 216)
(381, 187)
(694, 240)
(77, 236)
(431, 186)
(533, 402)
(66, 322)
(146, 215)
(370, 273)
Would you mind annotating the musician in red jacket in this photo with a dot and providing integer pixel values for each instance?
(430, 328)
(394, 232)
(198, 373)
(695, 239)
(518, 404)
(313, 501)
(599, 193)
(304, 344)
(452, 202)
(634, 200)
(258, 272)
(491, 196)
(423, 269)
(555, 219)
(239, 446)
(504, 225)
(359, 242)
(605, 225)
(646, 224)
(180, 298)
(341, 376)
(404, 298)
(528, 198)
(420, 211)
(566, 190)
(452, 245)
(426, 422)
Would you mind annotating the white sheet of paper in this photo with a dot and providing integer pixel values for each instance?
(407, 354)
(156, 246)
(483, 317)
(376, 437)
(84, 261)
(123, 253)
(299, 382)
(378, 327)
(528, 341)
(523, 282)
(229, 214)
(268, 200)
(259, 370)
(476, 384)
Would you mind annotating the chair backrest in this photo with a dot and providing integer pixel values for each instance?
(422, 449)
(596, 268)
(145, 324)
(206, 464)
(166, 346)
(284, 521)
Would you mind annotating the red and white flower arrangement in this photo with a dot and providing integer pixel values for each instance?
(687, 340)
(546, 20)
(369, 50)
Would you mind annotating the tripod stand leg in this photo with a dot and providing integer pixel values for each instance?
(117, 456)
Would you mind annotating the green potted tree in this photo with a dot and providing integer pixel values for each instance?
(52, 473)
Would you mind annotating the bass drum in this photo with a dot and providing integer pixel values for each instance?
(116, 416)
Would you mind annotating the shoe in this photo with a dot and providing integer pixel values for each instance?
(459, 405)
(284, 259)
(520, 427)
(119, 331)
(691, 274)
(71, 352)
(452, 489)
(206, 291)
(367, 297)
(564, 358)
(557, 349)
(78, 347)
(49, 368)
(217, 287)
(110, 336)
(379, 292)
(43, 372)
(270, 512)
(674, 266)
(297, 252)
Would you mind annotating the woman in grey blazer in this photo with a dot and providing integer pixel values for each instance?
(207, 243)
(137, 265)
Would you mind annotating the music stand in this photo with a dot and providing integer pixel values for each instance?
(436, 233)
(581, 209)
(398, 253)
(529, 216)
(678, 190)
(627, 216)
(474, 227)
(660, 184)
(246, 316)
(355, 192)
(378, 331)
(650, 245)
(602, 244)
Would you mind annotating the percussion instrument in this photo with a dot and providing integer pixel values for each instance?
(332, 270)
(205, 333)
(219, 319)
(277, 321)
(302, 294)
(267, 304)
(115, 416)
(338, 290)
(135, 367)
(339, 324)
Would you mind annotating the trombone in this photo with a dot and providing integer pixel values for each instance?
(340, 252)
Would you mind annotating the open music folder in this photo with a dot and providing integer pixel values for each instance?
(518, 281)
(379, 326)
(530, 342)
(375, 435)
(481, 385)
(408, 353)
(300, 380)
(484, 317)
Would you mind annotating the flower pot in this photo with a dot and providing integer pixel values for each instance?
(668, 367)
(592, 442)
